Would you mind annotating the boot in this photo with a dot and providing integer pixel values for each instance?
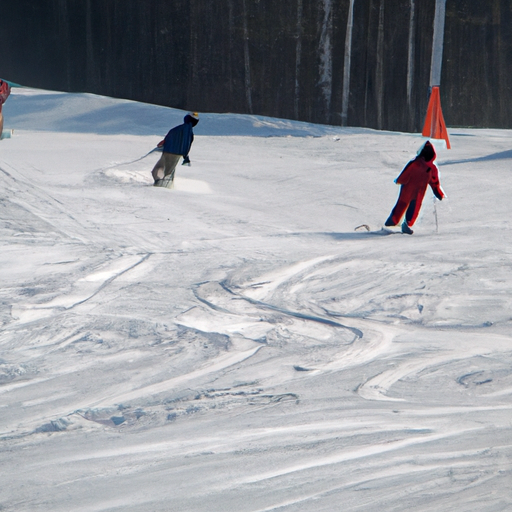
(406, 229)
(389, 221)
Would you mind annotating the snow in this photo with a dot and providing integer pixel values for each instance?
(234, 344)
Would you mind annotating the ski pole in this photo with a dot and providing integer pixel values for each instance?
(435, 215)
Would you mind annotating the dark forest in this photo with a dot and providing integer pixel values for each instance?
(346, 62)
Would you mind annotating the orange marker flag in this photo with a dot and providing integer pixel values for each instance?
(435, 126)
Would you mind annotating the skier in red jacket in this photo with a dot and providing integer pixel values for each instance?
(414, 179)
(5, 90)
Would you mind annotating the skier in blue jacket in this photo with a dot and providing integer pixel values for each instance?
(176, 144)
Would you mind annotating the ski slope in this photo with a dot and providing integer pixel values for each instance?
(234, 345)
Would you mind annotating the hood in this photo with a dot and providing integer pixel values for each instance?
(192, 118)
(428, 152)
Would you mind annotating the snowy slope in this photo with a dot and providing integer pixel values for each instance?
(234, 345)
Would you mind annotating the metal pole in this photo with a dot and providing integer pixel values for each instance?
(345, 95)
(437, 43)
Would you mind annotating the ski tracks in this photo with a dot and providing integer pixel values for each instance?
(312, 344)
(283, 309)
(82, 290)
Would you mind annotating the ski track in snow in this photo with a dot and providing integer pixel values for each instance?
(233, 344)
(84, 289)
(347, 456)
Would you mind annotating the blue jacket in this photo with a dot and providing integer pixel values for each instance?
(179, 140)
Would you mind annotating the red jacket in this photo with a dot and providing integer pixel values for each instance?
(417, 175)
(5, 90)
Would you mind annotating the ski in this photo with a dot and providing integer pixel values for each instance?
(383, 231)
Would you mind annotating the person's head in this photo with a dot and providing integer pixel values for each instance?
(192, 118)
(428, 152)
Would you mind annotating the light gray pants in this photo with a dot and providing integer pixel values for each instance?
(167, 162)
